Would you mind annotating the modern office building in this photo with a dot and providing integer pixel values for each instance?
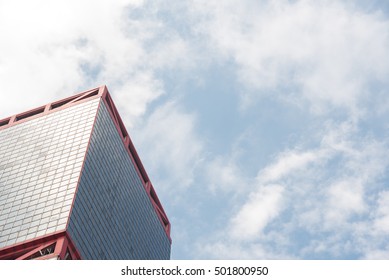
(72, 186)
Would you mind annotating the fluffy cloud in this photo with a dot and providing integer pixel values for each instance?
(323, 199)
(325, 52)
(381, 223)
(344, 199)
(261, 207)
(287, 163)
(169, 146)
(224, 174)
(52, 50)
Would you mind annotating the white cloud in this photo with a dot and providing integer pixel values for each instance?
(324, 193)
(224, 174)
(344, 199)
(50, 51)
(381, 223)
(288, 163)
(135, 94)
(326, 52)
(260, 209)
(170, 146)
(377, 255)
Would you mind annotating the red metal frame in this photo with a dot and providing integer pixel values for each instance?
(56, 246)
(100, 92)
(136, 161)
(49, 108)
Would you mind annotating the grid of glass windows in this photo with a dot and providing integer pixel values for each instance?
(40, 164)
(112, 216)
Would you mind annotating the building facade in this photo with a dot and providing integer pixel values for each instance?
(72, 186)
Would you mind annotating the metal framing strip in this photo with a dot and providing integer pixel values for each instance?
(136, 161)
(26, 250)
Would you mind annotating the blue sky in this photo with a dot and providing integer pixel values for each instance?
(262, 124)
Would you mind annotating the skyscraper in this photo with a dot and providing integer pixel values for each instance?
(72, 186)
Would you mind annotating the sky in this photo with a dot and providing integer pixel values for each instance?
(262, 124)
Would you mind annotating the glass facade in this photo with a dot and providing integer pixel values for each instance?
(112, 216)
(40, 164)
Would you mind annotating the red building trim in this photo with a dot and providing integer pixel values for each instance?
(49, 108)
(56, 246)
(136, 161)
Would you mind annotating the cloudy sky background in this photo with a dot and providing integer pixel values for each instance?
(262, 124)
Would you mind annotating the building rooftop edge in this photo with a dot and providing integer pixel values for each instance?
(51, 107)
